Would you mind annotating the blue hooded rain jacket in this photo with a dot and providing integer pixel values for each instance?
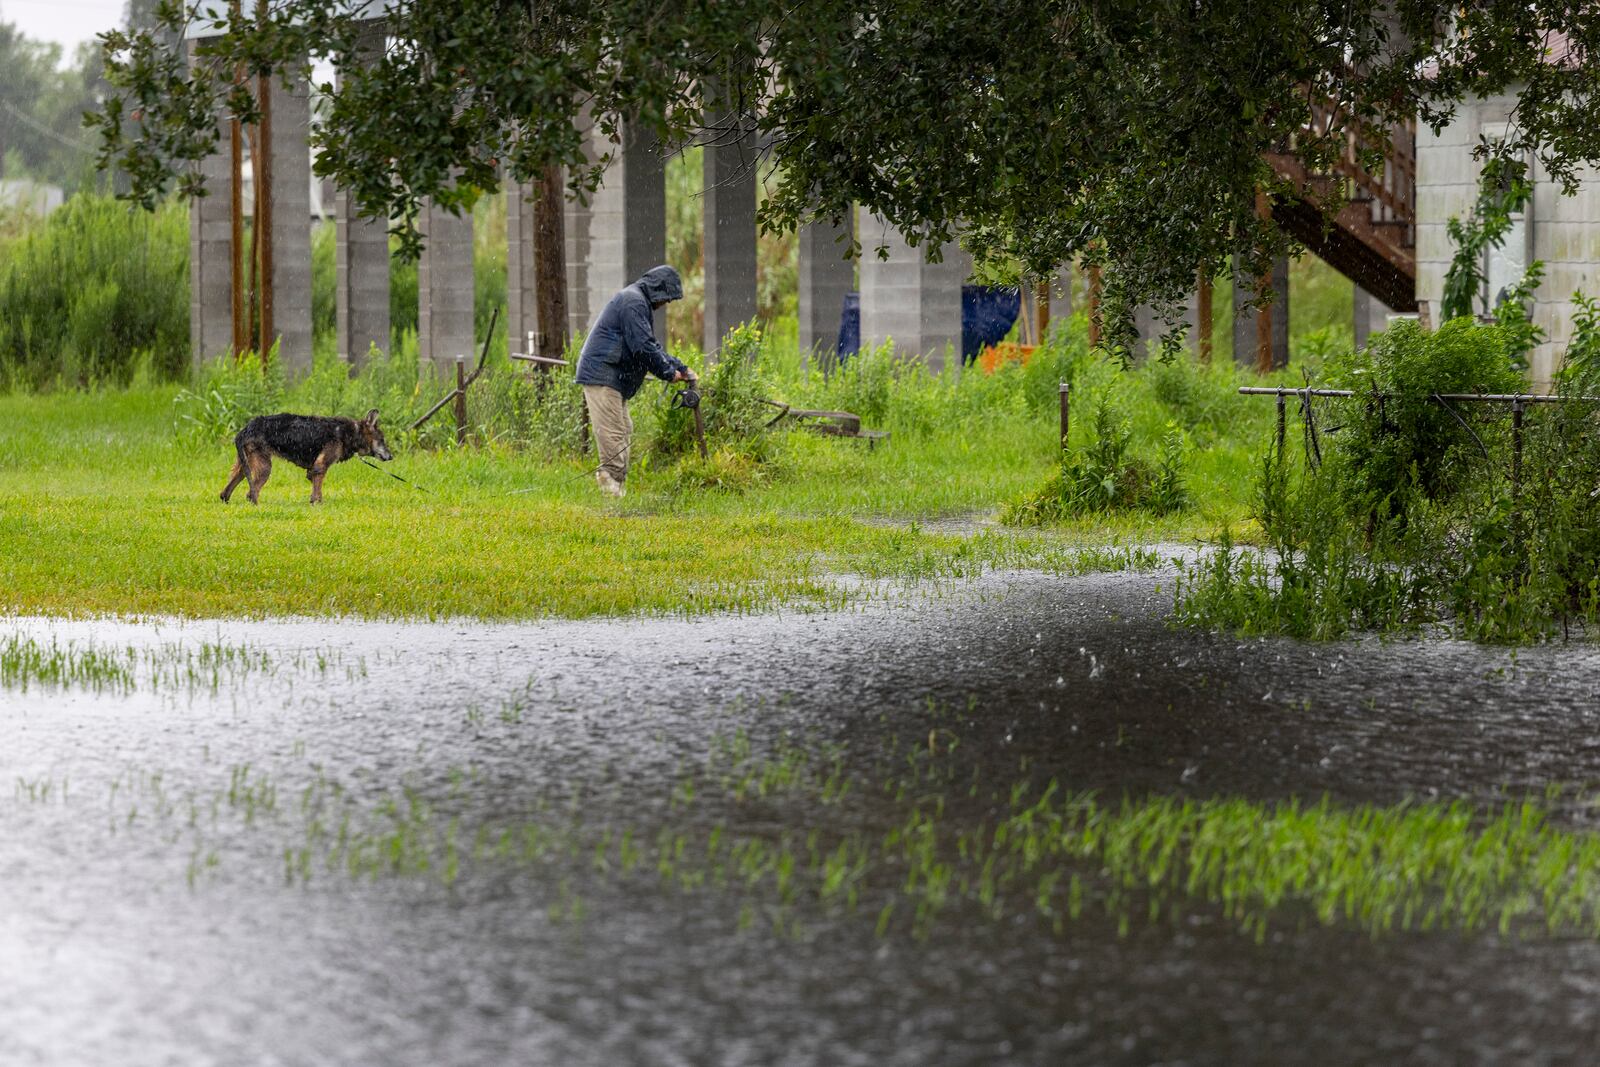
(622, 347)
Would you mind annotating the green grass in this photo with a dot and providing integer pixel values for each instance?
(28, 663)
(110, 509)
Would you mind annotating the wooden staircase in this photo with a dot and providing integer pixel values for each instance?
(1372, 238)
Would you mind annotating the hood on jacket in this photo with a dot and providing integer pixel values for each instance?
(660, 284)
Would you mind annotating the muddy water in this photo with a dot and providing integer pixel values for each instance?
(150, 912)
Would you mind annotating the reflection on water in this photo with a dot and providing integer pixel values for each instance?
(896, 835)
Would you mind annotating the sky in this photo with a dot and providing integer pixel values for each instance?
(65, 22)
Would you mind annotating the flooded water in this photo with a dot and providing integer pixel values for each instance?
(351, 843)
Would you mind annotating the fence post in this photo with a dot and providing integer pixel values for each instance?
(461, 400)
(1066, 413)
(1516, 471)
(1282, 418)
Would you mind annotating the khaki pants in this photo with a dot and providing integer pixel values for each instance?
(612, 428)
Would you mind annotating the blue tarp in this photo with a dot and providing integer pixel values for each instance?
(987, 315)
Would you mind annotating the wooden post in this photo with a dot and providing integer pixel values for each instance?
(1263, 329)
(1204, 324)
(1066, 413)
(261, 163)
(461, 400)
(550, 264)
(1516, 473)
(1283, 419)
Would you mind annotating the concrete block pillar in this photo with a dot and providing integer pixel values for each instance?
(361, 261)
(1244, 320)
(444, 290)
(361, 281)
(1371, 316)
(522, 290)
(210, 257)
(622, 231)
(1152, 327)
(906, 297)
(825, 277)
(210, 265)
(1061, 293)
(729, 204)
(290, 152)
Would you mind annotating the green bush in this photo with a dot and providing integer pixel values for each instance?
(733, 403)
(1413, 516)
(1103, 476)
(94, 292)
(228, 393)
(1397, 439)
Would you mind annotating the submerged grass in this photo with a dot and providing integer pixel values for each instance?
(800, 830)
(28, 663)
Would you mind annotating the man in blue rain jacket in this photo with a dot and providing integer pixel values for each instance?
(620, 349)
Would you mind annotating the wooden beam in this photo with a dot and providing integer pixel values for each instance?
(550, 264)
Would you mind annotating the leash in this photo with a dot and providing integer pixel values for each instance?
(391, 474)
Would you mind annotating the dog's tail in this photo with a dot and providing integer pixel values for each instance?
(239, 438)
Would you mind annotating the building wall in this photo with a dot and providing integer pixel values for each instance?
(1566, 230)
(907, 299)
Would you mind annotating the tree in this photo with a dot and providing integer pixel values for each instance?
(1130, 132)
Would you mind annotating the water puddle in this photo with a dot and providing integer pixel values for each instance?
(928, 830)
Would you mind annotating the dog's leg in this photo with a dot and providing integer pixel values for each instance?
(234, 478)
(319, 469)
(260, 469)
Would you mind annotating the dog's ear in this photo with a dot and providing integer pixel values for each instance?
(372, 417)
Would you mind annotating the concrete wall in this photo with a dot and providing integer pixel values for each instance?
(291, 223)
(1370, 315)
(1151, 326)
(210, 259)
(622, 231)
(1566, 230)
(729, 209)
(1244, 320)
(361, 282)
(361, 261)
(445, 291)
(825, 277)
(908, 299)
(522, 291)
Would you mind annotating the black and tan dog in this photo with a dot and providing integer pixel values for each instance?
(310, 441)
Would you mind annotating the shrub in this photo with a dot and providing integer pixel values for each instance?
(1412, 516)
(1104, 477)
(733, 403)
(227, 394)
(1397, 439)
(92, 292)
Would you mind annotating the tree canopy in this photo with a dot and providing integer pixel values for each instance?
(1130, 132)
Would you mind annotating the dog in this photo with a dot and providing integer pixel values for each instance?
(311, 441)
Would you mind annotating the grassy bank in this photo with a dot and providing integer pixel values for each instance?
(110, 499)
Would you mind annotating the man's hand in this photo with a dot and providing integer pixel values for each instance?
(685, 375)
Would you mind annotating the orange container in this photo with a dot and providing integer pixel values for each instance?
(992, 356)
